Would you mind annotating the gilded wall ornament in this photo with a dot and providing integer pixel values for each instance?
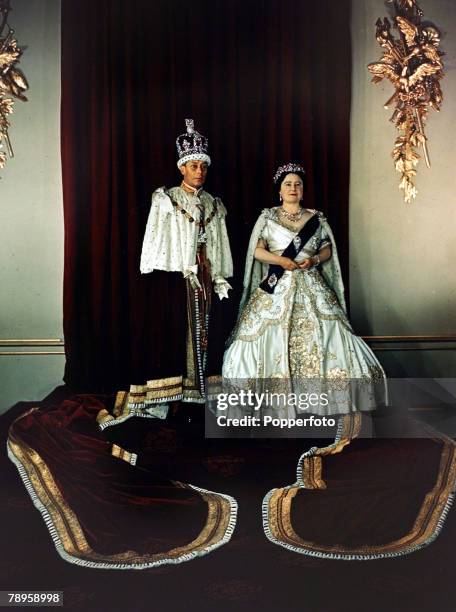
(12, 81)
(413, 64)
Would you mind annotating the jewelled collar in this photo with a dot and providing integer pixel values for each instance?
(188, 216)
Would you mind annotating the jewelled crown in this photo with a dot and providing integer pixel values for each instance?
(287, 168)
(192, 145)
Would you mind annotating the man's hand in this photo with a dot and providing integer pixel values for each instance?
(221, 287)
(191, 273)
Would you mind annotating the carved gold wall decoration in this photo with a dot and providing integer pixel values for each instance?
(12, 81)
(413, 64)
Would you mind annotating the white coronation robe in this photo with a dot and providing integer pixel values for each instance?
(171, 239)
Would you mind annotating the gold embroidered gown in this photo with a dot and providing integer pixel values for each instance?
(299, 337)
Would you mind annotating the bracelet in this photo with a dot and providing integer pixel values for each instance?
(316, 260)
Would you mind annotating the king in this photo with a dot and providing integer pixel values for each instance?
(186, 247)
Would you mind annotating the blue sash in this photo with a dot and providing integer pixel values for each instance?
(275, 272)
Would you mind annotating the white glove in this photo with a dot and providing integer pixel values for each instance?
(191, 273)
(221, 287)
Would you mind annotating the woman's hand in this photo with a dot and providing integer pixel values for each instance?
(288, 264)
(306, 264)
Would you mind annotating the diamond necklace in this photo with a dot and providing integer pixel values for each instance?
(292, 216)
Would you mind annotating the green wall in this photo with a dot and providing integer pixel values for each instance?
(31, 215)
(402, 257)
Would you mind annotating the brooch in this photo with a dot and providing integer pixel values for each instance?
(272, 280)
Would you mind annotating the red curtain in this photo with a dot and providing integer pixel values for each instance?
(267, 81)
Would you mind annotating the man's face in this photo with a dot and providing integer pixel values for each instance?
(194, 173)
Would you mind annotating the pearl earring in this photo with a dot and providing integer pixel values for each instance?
(280, 197)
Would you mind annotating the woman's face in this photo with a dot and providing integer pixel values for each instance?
(291, 189)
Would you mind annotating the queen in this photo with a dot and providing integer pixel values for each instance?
(292, 331)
